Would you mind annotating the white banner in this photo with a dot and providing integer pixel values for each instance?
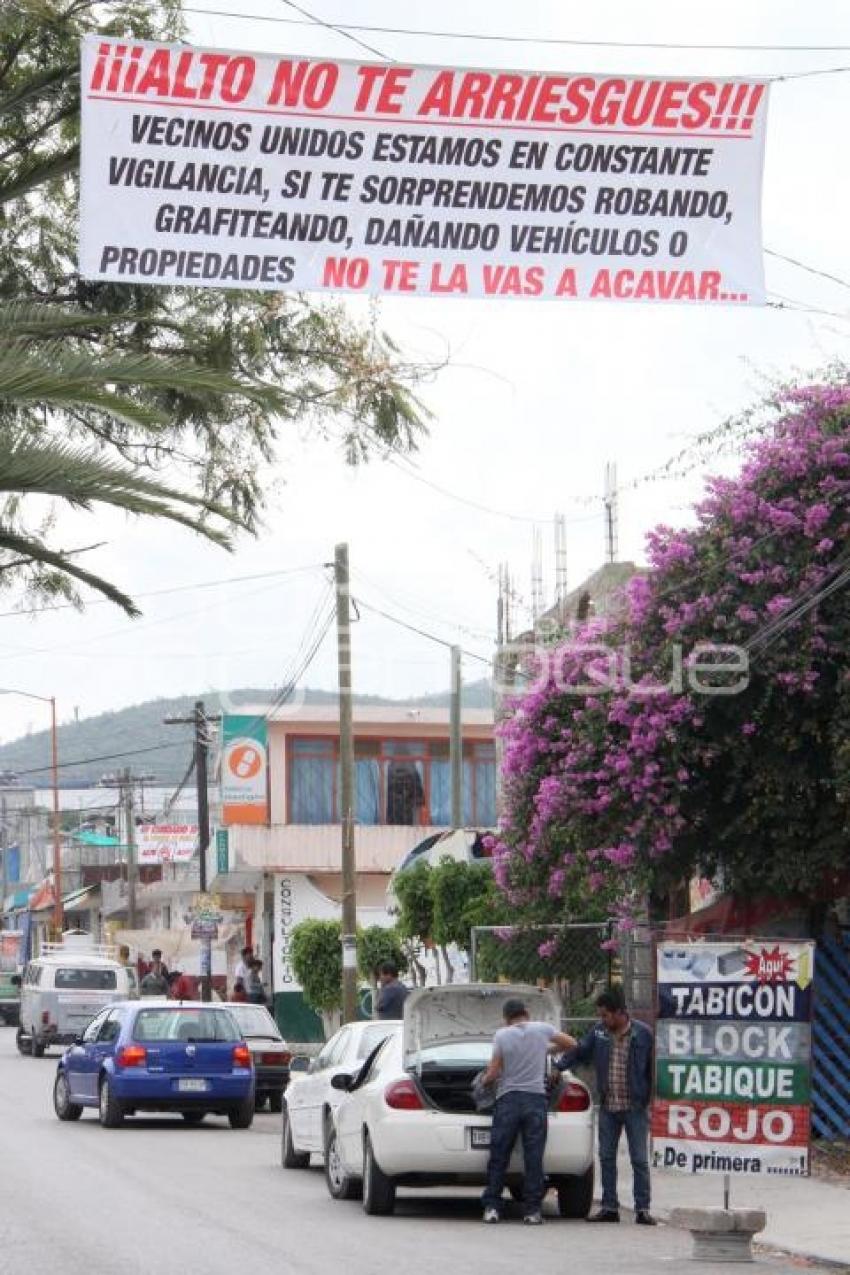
(234, 170)
(166, 842)
(296, 899)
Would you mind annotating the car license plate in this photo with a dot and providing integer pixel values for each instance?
(479, 1137)
(192, 1086)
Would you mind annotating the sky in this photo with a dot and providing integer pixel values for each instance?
(534, 399)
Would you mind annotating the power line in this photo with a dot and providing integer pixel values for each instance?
(503, 38)
(432, 637)
(158, 593)
(801, 265)
(85, 761)
(535, 520)
(340, 30)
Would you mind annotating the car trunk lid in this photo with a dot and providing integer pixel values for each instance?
(436, 1016)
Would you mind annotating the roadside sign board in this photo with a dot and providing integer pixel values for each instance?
(733, 1057)
(166, 842)
(244, 770)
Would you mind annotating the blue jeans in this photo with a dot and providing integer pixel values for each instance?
(518, 1115)
(636, 1124)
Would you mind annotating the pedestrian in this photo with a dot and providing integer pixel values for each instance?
(157, 965)
(518, 1070)
(392, 993)
(180, 986)
(124, 954)
(154, 984)
(621, 1050)
(254, 987)
(243, 966)
(239, 996)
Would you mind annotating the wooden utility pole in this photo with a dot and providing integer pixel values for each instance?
(456, 741)
(126, 782)
(346, 805)
(201, 750)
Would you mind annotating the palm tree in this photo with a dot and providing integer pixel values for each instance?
(43, 365)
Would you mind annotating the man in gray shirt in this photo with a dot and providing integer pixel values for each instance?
(518, 1070)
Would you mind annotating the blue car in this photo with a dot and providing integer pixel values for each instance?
(136, 1056)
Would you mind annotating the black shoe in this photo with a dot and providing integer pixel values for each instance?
(643, 1217)
(604, 1215)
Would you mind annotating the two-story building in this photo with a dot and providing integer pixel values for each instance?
(281, 840)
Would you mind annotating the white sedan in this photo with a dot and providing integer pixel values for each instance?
(310, 1100)
(409, 1118)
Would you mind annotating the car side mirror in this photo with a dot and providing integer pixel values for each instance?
(342, 1081)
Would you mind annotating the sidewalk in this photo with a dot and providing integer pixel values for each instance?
(805, 1216)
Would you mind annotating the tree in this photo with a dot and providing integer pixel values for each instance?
(316, 948)
(415, 913)
(457, 889)
(739, 769)
(197, 381)
(376, 944)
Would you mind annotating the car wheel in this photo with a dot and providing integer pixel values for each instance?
(340, 1184)
(378, 1189)
(193, 1117)
(290, 1158)
(276, 1102)
(575, 1194)
(62, 1104)
(23, 1042)
(242, 1116)
(110, 1109)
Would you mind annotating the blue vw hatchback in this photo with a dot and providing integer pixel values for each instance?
(139, 1056)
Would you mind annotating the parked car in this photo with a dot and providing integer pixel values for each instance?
(64, 987)
(310, 1100)
(269, 1051)
(10, 997)
(140, 1056)
(409, 1118)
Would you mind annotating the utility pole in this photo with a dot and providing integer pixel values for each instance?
(127, 796)
(346, 759)
(456, 741)
(201, 720)
(202, 744)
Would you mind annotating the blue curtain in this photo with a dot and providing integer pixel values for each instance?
(441, 794)
(312, 790)
(485, 791)
(367, 791)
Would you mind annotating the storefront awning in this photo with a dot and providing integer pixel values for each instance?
(76, 897)
(18, 901)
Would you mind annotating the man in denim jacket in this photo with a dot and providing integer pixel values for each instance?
(621, 1050)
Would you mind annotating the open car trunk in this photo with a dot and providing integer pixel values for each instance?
(448, 1086)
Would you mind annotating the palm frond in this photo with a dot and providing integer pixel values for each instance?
(34, 550)
(35, 172)
(83, 478)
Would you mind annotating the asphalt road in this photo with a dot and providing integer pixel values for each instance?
(157, 1196)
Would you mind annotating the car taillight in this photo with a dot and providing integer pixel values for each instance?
(403, 1095)
(241, 1056)
(131, 1056)
(573, 1097)
(274, 1060)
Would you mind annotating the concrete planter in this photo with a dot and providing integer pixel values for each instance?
(720, 1235)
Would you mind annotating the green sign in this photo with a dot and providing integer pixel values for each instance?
(748, 1082)
(222, 851)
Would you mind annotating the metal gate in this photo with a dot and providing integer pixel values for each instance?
(831, 1040)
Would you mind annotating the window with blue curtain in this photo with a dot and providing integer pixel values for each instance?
(312, 781)
(367, 780)
(441, 793)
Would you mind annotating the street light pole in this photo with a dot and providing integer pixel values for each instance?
(54, 766)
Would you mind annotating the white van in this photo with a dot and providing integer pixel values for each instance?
(65, 986)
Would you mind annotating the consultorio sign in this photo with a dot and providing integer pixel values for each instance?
(733, 1057)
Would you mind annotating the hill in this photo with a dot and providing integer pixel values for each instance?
(137, 736)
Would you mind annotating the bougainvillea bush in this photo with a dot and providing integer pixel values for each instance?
(705, 727)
